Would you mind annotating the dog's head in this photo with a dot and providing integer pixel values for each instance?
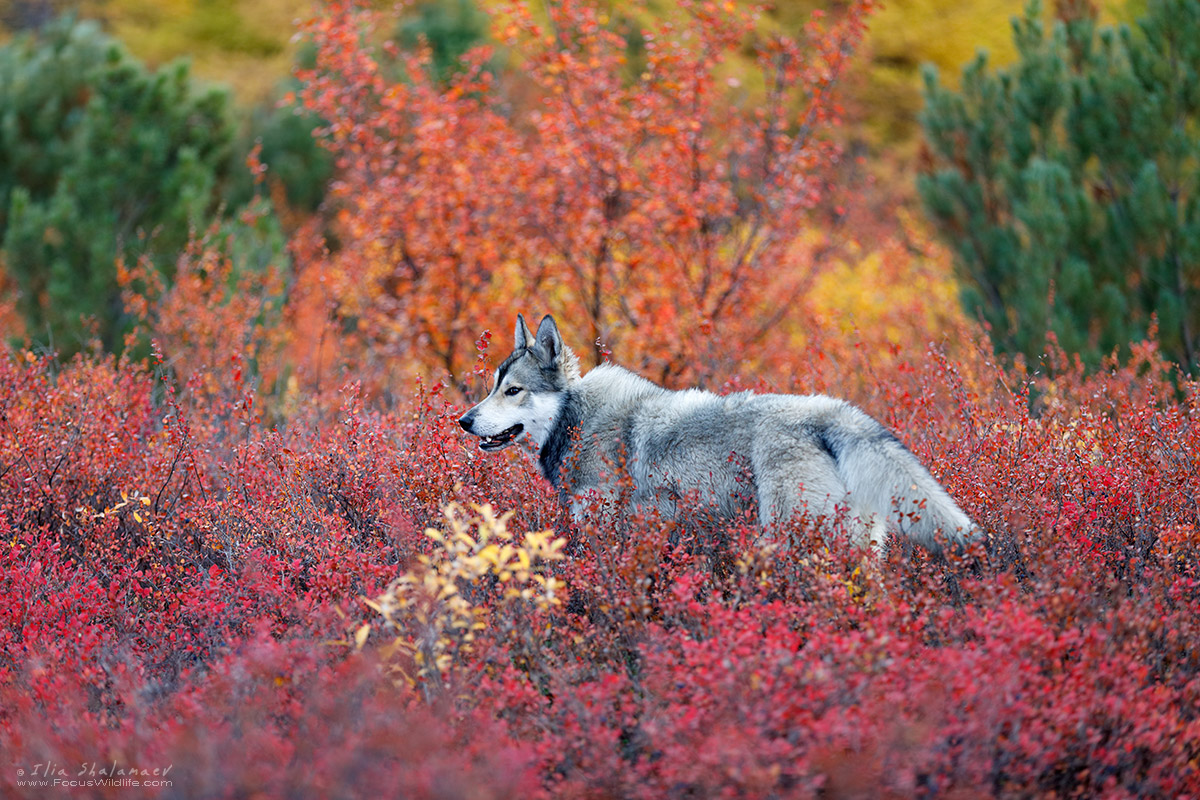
(528, 391)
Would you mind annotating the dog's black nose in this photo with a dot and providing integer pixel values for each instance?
(466, 421)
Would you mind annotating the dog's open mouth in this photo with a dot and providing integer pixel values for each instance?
(501, 439)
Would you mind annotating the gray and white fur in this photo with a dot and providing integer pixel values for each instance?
(775, 455)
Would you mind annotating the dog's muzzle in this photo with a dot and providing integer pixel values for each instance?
(495, 441)
(501, 439)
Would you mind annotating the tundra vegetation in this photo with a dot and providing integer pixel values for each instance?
(243, 538)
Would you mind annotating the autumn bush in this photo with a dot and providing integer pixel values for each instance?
(257, 554)
(639, 190)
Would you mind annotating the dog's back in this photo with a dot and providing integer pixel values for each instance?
(778, 455)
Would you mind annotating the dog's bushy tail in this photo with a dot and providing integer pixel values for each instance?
(885, 479)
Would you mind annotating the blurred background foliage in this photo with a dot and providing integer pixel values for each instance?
(126, 125)
(250, 46)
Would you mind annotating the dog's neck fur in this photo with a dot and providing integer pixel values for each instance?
(566, 420)
(621, 386)
(558, 441)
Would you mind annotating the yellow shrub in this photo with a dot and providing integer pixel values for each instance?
(434, 610)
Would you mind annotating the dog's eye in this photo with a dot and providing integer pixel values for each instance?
(512, 391)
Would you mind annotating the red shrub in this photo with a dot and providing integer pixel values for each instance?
(160, 600)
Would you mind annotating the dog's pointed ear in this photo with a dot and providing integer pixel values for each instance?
(523, 336)
(549, 339)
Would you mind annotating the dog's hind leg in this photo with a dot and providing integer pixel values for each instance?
(788, 496)
(868, 529)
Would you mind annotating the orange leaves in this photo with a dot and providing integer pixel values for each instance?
(612, 183)
(217, 320)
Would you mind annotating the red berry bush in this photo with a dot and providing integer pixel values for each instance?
(285, 608)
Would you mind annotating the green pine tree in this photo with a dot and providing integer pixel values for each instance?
(98, 158)
(1069, 184)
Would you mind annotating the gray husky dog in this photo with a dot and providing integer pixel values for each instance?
(774, 455)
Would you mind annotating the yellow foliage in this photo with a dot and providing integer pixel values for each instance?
(434, 610)
(246, 44)
(885, 292)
